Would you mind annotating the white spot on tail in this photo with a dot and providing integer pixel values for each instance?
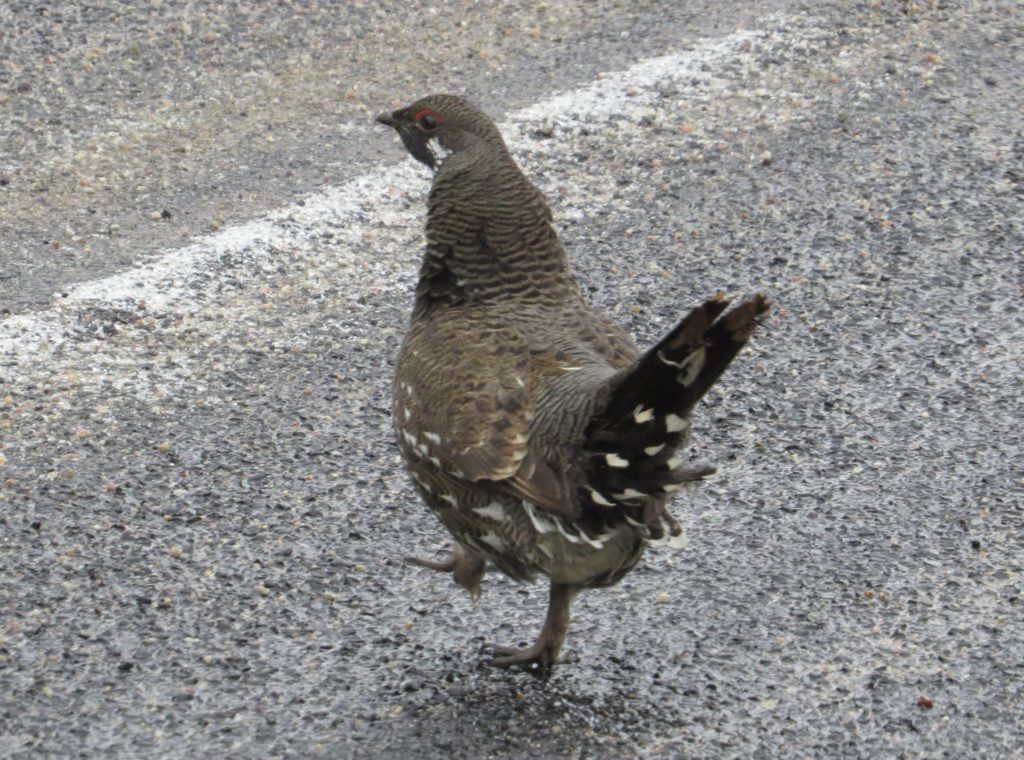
(598, 542)
(641, 415)
(665, 360)
(673, 463)
(630, 493)
(566, 534)
(674, 423)
(407, 413)
(599, 498)
(540, 523)
(433, 438)
(667, 539)
(449, 498)
(672, 487)
(494, 511)
(614, 460)
(652, 450)
(519, 382)
(691, 367)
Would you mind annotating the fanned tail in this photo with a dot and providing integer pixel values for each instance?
(631, 444)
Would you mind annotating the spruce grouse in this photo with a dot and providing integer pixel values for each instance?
(532, 426)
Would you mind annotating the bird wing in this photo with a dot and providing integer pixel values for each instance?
(468, 411)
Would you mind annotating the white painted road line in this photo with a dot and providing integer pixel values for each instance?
(177, 279)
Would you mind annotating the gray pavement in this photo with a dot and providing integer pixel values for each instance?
(202, 513)
(128, 128)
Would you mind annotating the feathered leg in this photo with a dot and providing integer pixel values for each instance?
(544, 652)
(467, 569)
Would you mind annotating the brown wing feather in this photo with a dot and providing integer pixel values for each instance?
(466, 407)
(538, 483)
(469, 412)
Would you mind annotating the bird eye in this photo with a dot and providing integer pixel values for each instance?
(428, 119)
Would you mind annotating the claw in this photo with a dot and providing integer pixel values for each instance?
(445, 567)
(499, 651)
(467, 569)
(539, 659)
(542, 656)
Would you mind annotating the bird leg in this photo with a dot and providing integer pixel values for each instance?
(544, 653)
(467, 569)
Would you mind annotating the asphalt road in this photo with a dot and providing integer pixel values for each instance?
(202, 512)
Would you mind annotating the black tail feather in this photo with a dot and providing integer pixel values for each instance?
(632, 443)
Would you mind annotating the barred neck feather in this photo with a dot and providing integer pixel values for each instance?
(489, 236)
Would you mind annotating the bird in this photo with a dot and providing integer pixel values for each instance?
(538, 433)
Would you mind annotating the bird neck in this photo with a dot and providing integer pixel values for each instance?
(490, 240)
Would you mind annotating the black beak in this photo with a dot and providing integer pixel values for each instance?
(414, 140)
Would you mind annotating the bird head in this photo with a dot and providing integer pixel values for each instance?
(439, 126)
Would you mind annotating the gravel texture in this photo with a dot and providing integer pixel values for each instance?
(202, 512)
(131, 127)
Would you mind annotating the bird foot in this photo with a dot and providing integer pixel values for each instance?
(538, 659)
(542, 656)
(467, 569)
(445, 567)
